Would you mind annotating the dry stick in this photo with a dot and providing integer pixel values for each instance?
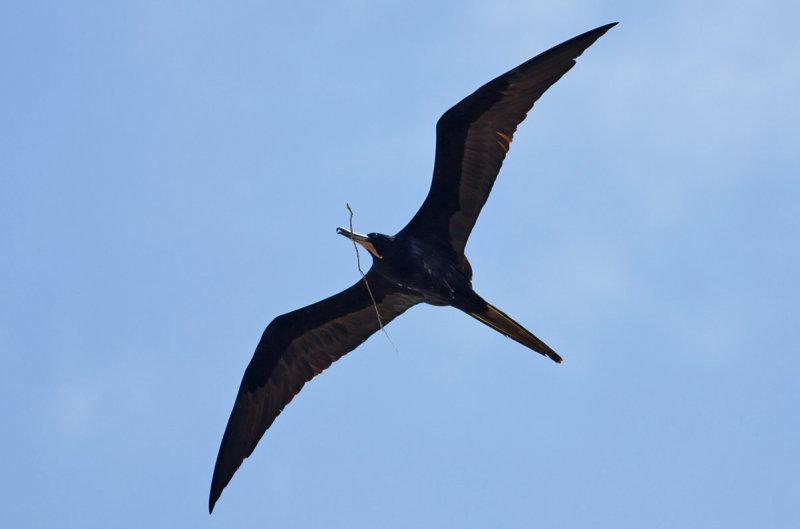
(369, 290)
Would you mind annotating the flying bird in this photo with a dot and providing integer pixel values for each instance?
(423, 263)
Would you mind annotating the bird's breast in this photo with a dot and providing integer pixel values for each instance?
(426, 270)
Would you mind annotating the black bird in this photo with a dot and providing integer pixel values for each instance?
(423, 262)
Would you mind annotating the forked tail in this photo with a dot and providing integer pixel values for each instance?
(502, 323)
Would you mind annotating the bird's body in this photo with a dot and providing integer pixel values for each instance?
(423, 263)
(425, 268)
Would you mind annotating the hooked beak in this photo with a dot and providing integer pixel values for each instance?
(363, 240)
(352, 235)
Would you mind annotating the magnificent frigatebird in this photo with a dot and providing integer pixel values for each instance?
(423, 262)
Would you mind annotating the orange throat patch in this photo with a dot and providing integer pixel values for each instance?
(370, 248)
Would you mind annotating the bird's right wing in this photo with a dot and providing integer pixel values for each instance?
(293, 349)
(473, 137)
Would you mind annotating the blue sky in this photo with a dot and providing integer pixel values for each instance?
(172, 175)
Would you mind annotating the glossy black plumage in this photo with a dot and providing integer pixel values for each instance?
(424, 262)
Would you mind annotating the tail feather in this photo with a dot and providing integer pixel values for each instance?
(502, 323)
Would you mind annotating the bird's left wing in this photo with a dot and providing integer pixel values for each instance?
(473, 137)
(293, 349)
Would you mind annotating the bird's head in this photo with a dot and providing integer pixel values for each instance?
(375, 243)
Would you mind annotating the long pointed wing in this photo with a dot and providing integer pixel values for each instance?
(293, 349)
(473, 137)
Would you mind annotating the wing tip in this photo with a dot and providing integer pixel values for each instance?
(593, 34)
(212, 498)
(602, 29)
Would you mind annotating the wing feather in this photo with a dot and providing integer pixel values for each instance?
(473, 137)
(293, 349)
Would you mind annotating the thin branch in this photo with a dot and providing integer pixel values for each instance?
(369, 290)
